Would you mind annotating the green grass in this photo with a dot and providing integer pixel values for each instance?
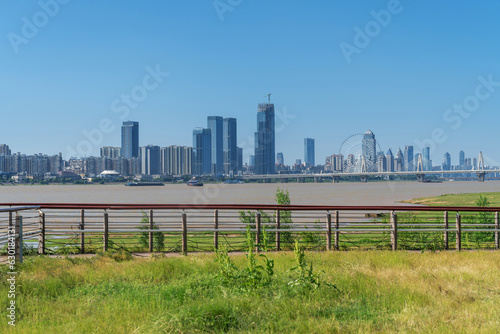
(465, 199)
(380, 292)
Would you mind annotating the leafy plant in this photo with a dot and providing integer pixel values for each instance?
(158, 237)
(475, 239)
(415, 240)
(306, 278)
(254, 275)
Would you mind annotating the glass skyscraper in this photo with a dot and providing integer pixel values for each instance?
(309, 151)
(215, 124)
(447, 161)
(265, 140)
(202, 151)
(229, 146)
(369, 150)
(408, 158)
(461, 160)
(426, 158)
(280, 160)
(130, 139)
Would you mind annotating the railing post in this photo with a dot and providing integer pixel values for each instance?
(257, 230)
(337, 232)
(184, 233)
(328, 231)
(82, 228)
(11, 223)
(278, 233)
(105, 237)
(459, 232)
(151, 224)
(216, 227)
(445, 219)
(497, 227)
(41, 235)
(394, 225)
(19, 239)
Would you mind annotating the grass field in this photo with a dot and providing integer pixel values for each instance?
(380, 292)
(465, 199)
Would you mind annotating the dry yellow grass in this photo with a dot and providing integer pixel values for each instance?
(381, 292)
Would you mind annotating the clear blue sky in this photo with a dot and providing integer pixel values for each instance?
(63, 79)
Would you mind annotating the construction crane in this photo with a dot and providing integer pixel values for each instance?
(268, 97)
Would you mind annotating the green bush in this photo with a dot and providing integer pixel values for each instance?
(158, 237)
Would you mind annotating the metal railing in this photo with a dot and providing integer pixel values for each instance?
(47, 228)
(15, 229)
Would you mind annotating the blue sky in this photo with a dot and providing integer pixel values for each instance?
(62, 80)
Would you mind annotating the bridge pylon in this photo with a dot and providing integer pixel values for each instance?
(480, 163)
(420, 164)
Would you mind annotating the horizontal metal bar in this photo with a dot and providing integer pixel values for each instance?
(269, 207)
(19, 208)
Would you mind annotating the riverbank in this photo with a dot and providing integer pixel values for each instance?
(465, 199)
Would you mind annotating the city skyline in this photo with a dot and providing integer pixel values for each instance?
(363, 156)
(406, 84)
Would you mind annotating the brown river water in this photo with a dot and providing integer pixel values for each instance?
(349, 193)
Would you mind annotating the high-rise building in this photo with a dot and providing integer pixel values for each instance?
(468, 163)
(4, 149)
(408, 159)
(334, 163)
(202, 151)
(229, 147)
(251, 160)
(426, 158)
(150, 160)
(447, 161)
(280, 160)
(389, 161)
(176, 160)
(309, 151)
(369, 150)
(265, 140)
(399, 161)
(130, 139)
(215, 124)
(111, 152)
(381, 162)
(461, 160)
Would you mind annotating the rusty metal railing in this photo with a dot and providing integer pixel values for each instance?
(93, 227)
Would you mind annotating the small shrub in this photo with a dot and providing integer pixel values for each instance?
(158, 237)
(306, 278)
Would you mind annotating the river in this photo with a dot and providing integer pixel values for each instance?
(348, 193)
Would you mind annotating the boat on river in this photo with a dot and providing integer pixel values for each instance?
(142, 184)
(194, 183)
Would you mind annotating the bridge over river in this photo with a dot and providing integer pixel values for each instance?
(363, 176)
